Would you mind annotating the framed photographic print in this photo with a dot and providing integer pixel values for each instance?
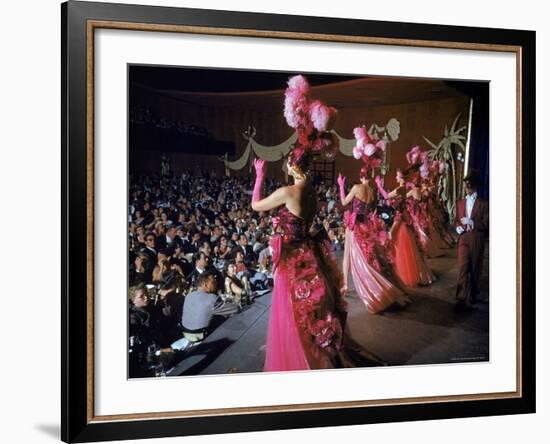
(276, 221)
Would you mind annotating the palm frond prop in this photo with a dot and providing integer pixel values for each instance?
(449, 150)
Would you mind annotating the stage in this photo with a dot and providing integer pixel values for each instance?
(428, 331)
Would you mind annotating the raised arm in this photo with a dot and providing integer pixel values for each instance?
(274, 200)
(345, 199)
(381, 189)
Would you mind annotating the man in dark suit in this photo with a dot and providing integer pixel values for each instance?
(169, 239)
(246, 249)
(150, 251)
(471, 224)
(200, 264)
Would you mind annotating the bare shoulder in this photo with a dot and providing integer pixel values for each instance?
(286, 190)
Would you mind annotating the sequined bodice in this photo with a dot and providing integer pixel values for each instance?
(294, 228)
(360, 208)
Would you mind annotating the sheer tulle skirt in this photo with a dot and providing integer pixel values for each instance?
(307, 323)
(376, 292)
(284, 349)
(409, 263)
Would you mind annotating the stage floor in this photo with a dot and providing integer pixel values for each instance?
(428, 331)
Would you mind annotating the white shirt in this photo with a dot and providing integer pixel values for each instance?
(470, 200)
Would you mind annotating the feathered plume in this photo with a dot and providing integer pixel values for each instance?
(311, 119)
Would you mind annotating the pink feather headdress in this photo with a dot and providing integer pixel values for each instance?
(368, 149)
(418, 161)
(311, 119)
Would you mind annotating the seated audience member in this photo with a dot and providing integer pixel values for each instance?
(162, 266)
(206, 248)
(200, 261)
(169, 304)
(222, 250)
(170, 238)
(258, 280)
(233, 240)
(201, 306)
(179, 261)
(151, 252)
(137, 272)
(259, 243)
(140, 236)
(143, 325)
(246, 249)
(237, 289)
(159, 229)
(195, 243)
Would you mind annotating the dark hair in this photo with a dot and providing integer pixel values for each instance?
(364, 173)
(168, 281)
(197, 256)
(227, 264)
(203, 278)
(473, 178)
(300, 159)
(144, 259)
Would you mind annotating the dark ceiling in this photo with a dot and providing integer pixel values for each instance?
(219, 80)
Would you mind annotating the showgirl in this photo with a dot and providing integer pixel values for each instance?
(366, 239)
(307, 324)
(408, 261)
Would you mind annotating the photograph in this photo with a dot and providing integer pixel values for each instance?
(299, 221)
(287, 221)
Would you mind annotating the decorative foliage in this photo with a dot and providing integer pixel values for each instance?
(389, 133)
(450, 149)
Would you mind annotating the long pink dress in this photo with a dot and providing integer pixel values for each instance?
(437, 214)
(408, 260)
(429, 239)
(307, 324)
(365, 236)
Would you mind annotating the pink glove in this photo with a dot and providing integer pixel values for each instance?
(383, 192)
(259, 166)
(341, 184)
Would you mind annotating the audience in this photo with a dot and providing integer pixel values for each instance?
(194, 242)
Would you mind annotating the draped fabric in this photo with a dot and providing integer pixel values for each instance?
(376, 292)
(274, 153)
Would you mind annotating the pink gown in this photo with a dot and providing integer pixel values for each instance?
(429, 239)
(437, 214)
(365, 238)
(307, 324)
(408, 260)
